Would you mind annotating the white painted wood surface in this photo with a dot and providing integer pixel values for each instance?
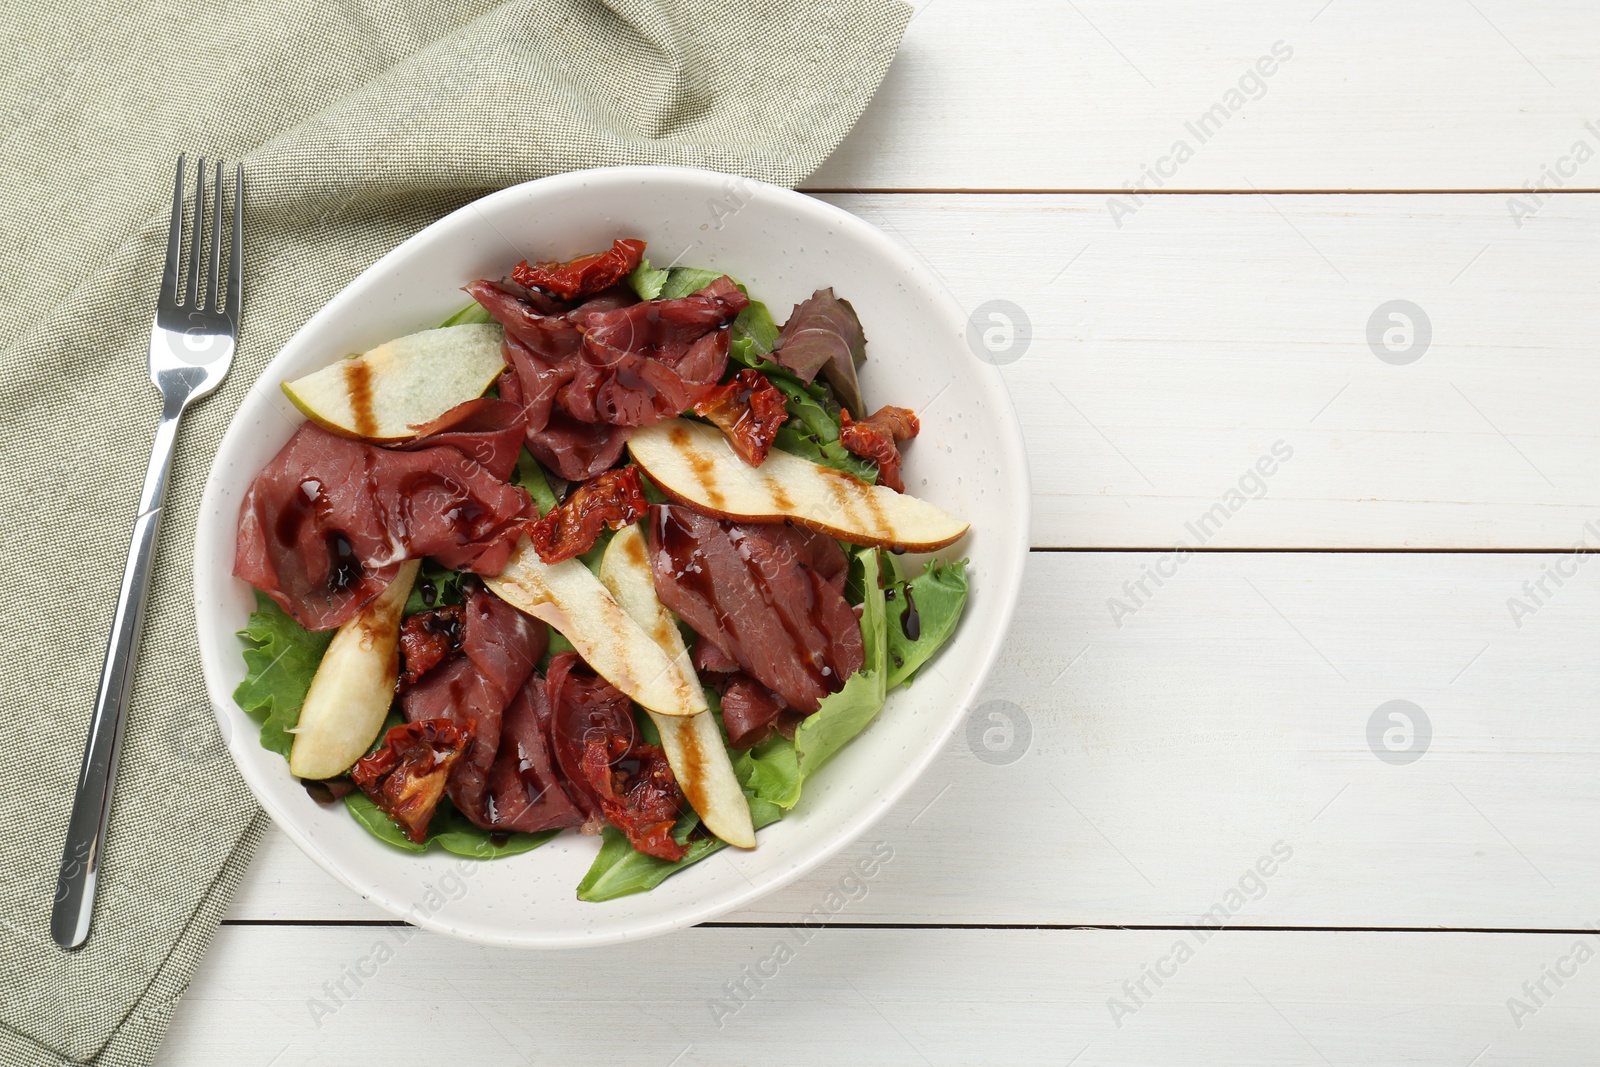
(1084, 94)
(892, 997)
(1168, 356)
(1228, 713)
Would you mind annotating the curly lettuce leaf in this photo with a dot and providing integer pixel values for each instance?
(846, 713)
(754, 324)
(686, 281)
(280, 659)
(938, 595)
(647, 280)
(770, 772)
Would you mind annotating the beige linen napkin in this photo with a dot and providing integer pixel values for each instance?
(359, 122)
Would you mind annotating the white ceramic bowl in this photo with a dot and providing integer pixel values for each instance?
(969, 459)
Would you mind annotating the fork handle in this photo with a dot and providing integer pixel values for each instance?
(91, 805)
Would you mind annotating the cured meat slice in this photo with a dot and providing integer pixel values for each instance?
(499, 648)
(325, 524)
(525, 793)
(769, 596)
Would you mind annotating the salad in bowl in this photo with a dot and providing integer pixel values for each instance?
(609, 551)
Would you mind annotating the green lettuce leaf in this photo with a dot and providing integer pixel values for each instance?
(372, 819)
(939, 594)
(280, 660)
(452, 831)
(685, 281)
(812, 429)
(449, 830)
(754, 324)
(647, 281)
(473, 312)
(445, 583)
(846, 713)
(530, 475)
(620, 870)
(769, 772)
(669, 283)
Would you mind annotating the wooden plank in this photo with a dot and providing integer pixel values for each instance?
(912, 997)
(1152, 764)
(1086, 95)
(1171, 356)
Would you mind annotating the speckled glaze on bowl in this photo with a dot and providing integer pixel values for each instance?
(782, 245)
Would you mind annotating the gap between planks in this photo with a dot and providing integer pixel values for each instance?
(1178, 928)
(1286, 191)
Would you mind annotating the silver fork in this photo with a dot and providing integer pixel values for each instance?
(191, 347)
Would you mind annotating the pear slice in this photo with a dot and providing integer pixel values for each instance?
(570, 598)
(694, 464)
(354, 685)
(397, 388)
(693, 745)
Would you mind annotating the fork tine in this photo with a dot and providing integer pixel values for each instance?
(236, 253)
(194, 237)
(169, 273)
(213, 287)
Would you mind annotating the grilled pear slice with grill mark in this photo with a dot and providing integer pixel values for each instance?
(693, 745)
(694, 464)
(571, 599)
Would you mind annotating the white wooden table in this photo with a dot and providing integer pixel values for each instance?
(1434, 893)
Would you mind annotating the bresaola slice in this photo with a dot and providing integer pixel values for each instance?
(499, 648)
(487, 431)
(541, 352)
(770, 597)
(611, 773)
(750, 711)
(326, 523)
(525, 793)
(585, 377)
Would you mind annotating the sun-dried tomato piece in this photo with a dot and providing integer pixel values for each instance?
(583, 276)
(876, 438)
(638, 792)
(426, 638)
(749, 411)
(612, 498)
(406, 777)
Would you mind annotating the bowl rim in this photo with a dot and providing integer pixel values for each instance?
(1015, 482)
